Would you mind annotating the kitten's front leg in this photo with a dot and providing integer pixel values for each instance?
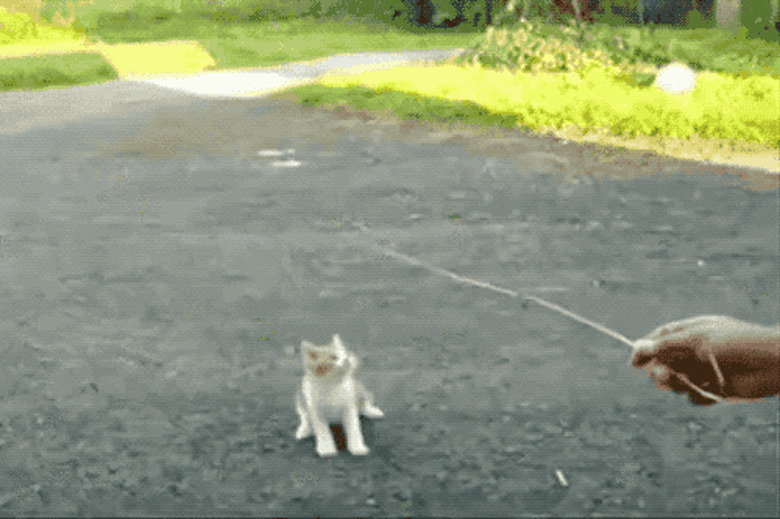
(304, 429)
(322, 435)
(355, 442)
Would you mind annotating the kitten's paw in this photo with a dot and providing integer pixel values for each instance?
(359, 450)
(326, 451)
(302, 432)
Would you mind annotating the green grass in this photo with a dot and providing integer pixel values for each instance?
(251, 44)
(405, 105)
(584, 77)
(43, 72)
(586, 80)
(722, 106)
(245, 45)
(250, 33)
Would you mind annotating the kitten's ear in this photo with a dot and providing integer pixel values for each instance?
(337, 342)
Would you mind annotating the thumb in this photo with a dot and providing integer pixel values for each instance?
(644, 351)
(679, 353)
(674, 352)
(642, 356)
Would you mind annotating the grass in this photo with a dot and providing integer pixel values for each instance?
(245, 45)
(252, 44)
(233, 45)
(592, 84)
(557, 100)
(44, 72)
(404, 104)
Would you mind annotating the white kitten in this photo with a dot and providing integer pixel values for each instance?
(330, 393)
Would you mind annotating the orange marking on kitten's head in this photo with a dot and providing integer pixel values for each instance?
(324, 359)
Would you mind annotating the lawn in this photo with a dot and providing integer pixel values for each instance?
(723, 111)
(233, 43)
(592, 84)
(43, 72)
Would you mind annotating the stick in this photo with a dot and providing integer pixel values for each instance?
(506, 291)
(552, 306)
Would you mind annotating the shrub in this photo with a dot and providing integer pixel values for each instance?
(526, 48)
(18, 26)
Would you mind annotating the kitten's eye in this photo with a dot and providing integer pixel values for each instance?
(313, 355)
(332, 357)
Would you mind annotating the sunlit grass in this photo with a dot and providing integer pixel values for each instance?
(266, 43)
(42, 72)
(721, 106)
(404, 105)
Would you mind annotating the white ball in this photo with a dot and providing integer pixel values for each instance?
(676, 78)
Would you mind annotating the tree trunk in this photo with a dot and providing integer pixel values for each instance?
(575, 4)
(579, 9)
(727, 13)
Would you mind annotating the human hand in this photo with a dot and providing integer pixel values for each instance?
(720, 355)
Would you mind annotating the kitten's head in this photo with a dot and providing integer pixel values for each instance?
(327, 360)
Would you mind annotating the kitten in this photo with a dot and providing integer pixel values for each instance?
(330, 393)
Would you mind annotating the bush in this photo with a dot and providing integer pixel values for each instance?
(533, 47)
(756, 17)
(16, 27)
(538, 46)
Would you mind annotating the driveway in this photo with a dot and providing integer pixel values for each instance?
(163, 254)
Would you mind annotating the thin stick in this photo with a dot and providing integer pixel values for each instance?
(583, 320)
(447, 273)
(718, 373)
(552, 306)
(511, 293)
(684, 378)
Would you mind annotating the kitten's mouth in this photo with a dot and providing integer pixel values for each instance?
(322, 369)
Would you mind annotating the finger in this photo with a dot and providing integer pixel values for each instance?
(679, 352)
(697, 394)
(641, 357)
(660, 375)
(697, 324)
(679, 383)
(698, 399)
(644, 351)
(667, 350)
(673, 381)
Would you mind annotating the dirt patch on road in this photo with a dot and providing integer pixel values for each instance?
(596, 155)
(534, 153)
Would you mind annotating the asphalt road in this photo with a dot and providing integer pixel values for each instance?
(163, 254)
